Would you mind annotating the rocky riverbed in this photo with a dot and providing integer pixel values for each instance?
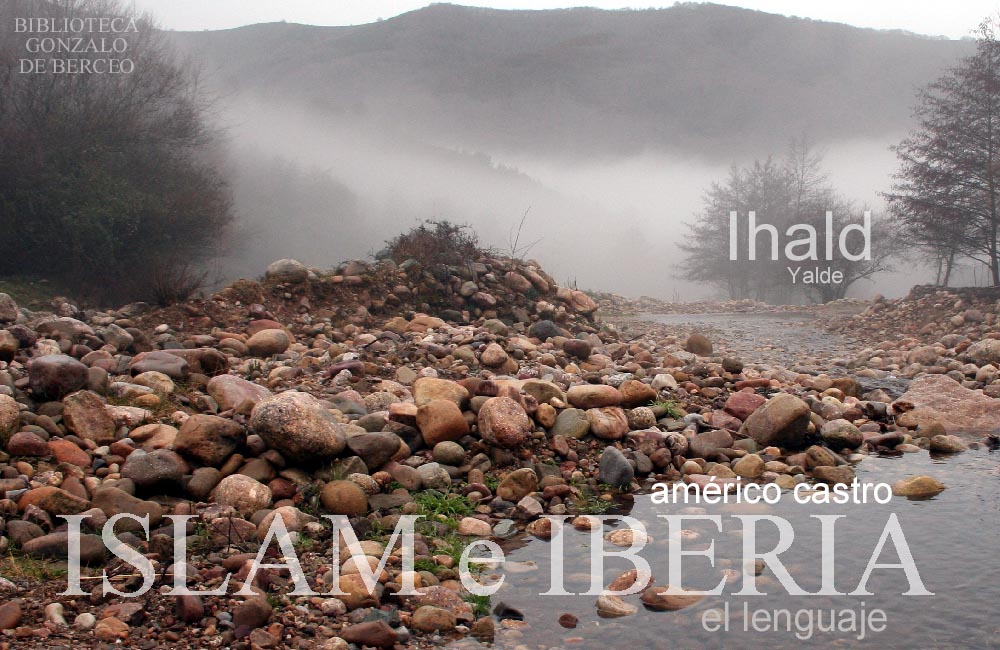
(482, 398)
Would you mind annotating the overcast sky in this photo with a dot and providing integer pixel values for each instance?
(953, 19)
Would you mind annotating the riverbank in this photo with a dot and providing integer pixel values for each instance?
(483, 400)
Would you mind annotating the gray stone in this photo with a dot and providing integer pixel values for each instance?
(614, 468)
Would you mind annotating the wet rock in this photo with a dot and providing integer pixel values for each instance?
(609, 423)
(840, 434)
(614, 468)
(918, 487)
(568, 621)
(344, 498)
(665, 599)
(433, 619)
(947, 444)
(474, 527)
(613, 607)
(517, 485)
(782, 422)
(941, 398)
(441, 420)
(243, 493)
(299, 427)
(209, 439)
(54, 376)
(842, 474)
(502, 422)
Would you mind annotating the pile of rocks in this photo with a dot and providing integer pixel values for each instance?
(270, 400)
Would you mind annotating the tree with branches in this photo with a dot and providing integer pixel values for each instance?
(946, 194)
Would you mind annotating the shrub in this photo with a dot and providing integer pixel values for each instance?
(435, 242)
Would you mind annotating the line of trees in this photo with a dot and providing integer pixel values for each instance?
(109, 183)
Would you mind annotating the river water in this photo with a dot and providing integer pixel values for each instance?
(954, 540)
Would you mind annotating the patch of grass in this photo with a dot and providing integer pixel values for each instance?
(26, 567)
(670, 408)
(591, 503)
(443, 507)
(481, 605)
(426, 564)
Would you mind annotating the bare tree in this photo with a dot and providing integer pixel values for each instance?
(792, 192)
(945, 194)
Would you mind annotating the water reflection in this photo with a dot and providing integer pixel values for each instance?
(953, 538)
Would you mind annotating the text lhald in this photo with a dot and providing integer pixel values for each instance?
(806, 247)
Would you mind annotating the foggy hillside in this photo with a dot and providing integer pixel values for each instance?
(608, 125)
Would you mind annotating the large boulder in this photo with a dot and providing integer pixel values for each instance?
(86, 415)
(781, 421)
(941, 398)
(984, 352)
(209, 439)
(298, 426)
(267, 343)
(230, 392)
(290, 271)
(55, 376)
(502, 422)
(243, 493)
